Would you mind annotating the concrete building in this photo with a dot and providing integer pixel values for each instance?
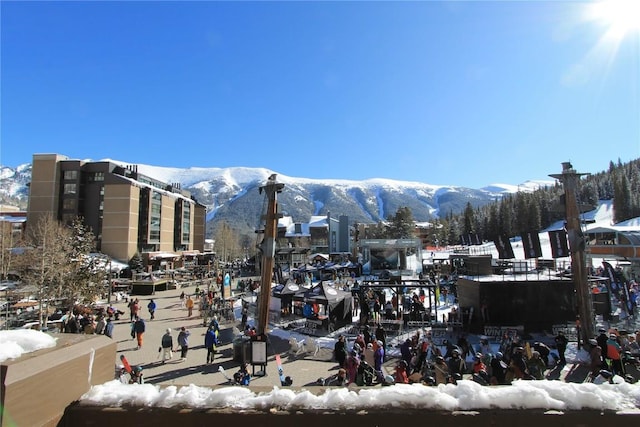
(322, 234)
(127, 212)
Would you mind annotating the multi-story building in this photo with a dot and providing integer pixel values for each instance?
(128, 212)
(322, 234)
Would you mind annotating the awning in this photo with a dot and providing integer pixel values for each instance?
(162, 255)
(25, 304)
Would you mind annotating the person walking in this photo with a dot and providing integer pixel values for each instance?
(100, 324)
(340, 351)
(210, 342)
(108, 328)
(189, 305)
(614, 355)
(134, 307)
(561, 344)
(166, 345)
(139, 328)
(152, 309)
(183, 342)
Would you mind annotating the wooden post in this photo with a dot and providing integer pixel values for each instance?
(570, 179)
(268, 248)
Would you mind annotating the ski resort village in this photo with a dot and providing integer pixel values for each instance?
(117, 290)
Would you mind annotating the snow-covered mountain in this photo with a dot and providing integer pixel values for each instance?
(14, 185)
(231, 194)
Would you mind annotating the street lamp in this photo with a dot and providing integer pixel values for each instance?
(109, 284)
(107, 260)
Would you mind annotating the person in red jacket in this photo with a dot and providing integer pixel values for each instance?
(400, 376)
(614, 354)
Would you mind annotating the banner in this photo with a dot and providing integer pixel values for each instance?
(559, 244)
(619, 287)
(503, 245)
(611, 274)
(531, 245)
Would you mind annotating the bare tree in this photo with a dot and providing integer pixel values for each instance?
(45, 264)
(58, 264)
(227, 242)
(7, 243)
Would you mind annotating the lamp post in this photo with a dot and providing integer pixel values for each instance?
(109, 282)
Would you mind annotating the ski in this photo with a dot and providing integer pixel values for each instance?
(280, 370)
(125, 363)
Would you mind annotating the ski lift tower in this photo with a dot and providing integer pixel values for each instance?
(268, 249)
(577, 245)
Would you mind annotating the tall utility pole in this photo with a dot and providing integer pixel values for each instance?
(570, 180)
(268, 248)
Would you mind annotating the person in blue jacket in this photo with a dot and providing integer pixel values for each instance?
(152, 309)
(210, 342)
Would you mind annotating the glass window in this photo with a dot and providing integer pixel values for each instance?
(69, 189)
(70, 175)
(69, 204)
(96, 176)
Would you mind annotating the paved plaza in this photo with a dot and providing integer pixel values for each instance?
(305, 370)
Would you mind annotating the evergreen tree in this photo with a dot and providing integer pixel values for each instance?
(85, 280)
(468, 225)
(136, 264)
(521, 213)
(533, 214)
(377, 231)
(493, 223)
(402, 225)
(622, 208)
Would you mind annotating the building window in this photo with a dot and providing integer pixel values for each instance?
(186, 223)
(70, 175)
(69, 204)
(68, 218)
(96, 176)
(155, 217)
(69, 189)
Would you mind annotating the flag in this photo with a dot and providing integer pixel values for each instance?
(619, 286)
(531, 245)
(559, 245)
(611, 274)
(503, 245)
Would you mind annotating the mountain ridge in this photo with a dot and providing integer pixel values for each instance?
(231, 194)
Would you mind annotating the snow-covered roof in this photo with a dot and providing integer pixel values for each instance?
(318, 221)
(13, 219)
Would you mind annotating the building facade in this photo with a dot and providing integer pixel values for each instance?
(128, 212)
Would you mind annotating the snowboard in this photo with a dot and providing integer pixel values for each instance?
(125, 363)
(280, 370)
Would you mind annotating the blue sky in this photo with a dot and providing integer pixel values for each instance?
(462, 93)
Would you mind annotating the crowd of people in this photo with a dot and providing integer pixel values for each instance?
(423, 361)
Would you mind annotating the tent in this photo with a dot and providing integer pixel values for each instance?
(338, 302)
(288, 289)
(284, 294)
